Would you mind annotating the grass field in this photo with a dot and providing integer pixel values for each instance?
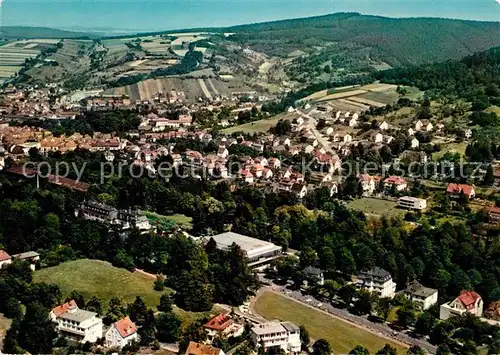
(181, 220)
(261, 126)
(101, 279)
(342, 336)
(451, 148)
(376, 206)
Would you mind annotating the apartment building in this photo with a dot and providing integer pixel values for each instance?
(412, 203)
(275, 334)
(76, 324)
(378, 281)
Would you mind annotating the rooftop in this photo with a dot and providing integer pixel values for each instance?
(219, 322)
(201, 349)
(415, 288)
(268, 328)
(125, 327)
(251, 246)
(78, 315)
(4, 256)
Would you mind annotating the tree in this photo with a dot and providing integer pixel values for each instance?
(415, 350)
(94, 305)
(10, 345)
(12, 309)
(77, 297)
(321, 347)
(406, 315)
(116, 310)
(387, 350)
(166, 303)
(168, 327)
(304, 337)
(425, 323)
(489, 178)
(347, 293)
(443, 349)
(364, 303)
(36, 332)
(147, 331)
(138, 311)
(359, 350)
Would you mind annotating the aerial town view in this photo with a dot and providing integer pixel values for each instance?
(250, 177)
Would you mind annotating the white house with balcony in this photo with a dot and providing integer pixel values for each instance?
(121, 333)
(425, 297)
(377, 281)
(467, 302)
(76, 324)
(284, 335)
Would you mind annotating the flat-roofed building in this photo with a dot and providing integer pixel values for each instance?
(413, 203)
(425, 297)
(274, 334)
(258, 252)
(77, 324)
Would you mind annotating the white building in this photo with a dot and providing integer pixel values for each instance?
(223, 325)
(413, 203)
(121, 333)
(258, 252)
(367, 183)
(377, 281)
(425, 297)
(285, 335)
(468, 301)
(76, 324)
(415, 143)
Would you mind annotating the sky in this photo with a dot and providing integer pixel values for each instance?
(134, 15)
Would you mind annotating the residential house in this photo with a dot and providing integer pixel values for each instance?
(76, 324)
(383, 126)
(410, 131)
(261, 160)
(457, 190)
(257, 170)
(314, 274)
(5, 259)
(267, 173)
(388, 139)
(423, 125)
(222, 152)
(377, 137)
(413, 203)
(246, 176)
(31, 257)
(274, 163)
(425, 297)
(415, 143)
(467, 302)
(299, 189)
(285, 335)
(202, 349)
(332, 187)
(367, 184)
(494, 214)
(222, 325)
(121, 333)
(396, 182)
(377, 281)
(353, 122)
(468, 133)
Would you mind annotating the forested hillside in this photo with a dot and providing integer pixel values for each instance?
(394, 40)
(475, 78)
(21, 32)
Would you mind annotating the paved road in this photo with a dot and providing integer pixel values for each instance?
(362, 321)
(312, 123)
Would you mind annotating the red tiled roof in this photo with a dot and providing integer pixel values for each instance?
(458, 188)
(469, 298)
(365, 177)
(494, 210)
(125, 327)
(395, 180)
(201, 349)
(4, 256)
(219, 323)
(64, 308)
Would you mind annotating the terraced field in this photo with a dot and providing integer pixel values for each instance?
(14, 54)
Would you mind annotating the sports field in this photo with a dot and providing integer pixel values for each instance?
(342, 336)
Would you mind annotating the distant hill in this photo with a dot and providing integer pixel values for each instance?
(22, 32)
(397, 41)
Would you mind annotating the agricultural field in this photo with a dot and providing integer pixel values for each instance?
(375, 206)
(14, 54)
(342, 336)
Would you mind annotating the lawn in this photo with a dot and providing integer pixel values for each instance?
(260, 126)
(101, 279)
(167, 222)
(342, 336)
(451, 148)
(376, 206)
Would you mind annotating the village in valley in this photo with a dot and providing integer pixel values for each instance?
(186, 198)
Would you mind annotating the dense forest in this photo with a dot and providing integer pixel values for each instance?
(475, 78)
(397, 41)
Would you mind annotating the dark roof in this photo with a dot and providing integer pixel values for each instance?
(415, 288)
(377, 272)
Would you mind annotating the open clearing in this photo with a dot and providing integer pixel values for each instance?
(101, 279)
(450, 148)
(375, 206)
(166, 222)
(342, 336)
(261, 126)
